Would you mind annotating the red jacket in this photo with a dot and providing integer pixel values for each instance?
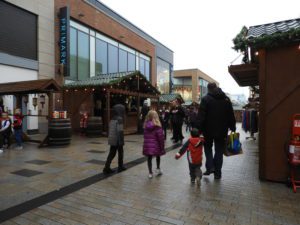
(194, 149)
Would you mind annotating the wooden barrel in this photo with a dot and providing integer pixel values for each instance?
(59, 132)
(94, 126)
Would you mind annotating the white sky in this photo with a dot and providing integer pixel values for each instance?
(200, 32)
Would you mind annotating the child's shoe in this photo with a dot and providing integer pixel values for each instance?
(1, 150)
(192, 180)
(150, 175)
(158, 172)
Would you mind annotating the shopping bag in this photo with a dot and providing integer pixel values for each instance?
(233, 144)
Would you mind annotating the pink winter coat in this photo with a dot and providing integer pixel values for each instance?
(154, 143)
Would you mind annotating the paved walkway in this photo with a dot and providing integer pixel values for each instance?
(131, 198)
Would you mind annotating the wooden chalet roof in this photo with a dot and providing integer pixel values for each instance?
(125, 81)
(167, 98)
(29, 87)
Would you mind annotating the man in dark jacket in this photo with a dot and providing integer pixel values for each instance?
(215, 116)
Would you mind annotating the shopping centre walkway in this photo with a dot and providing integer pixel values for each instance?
(131, 198)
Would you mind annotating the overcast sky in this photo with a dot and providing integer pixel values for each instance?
(200, 32)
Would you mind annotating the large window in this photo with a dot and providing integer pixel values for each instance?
(73, 53)
(83, 56)
(18, 33)
(122, 60)
(163, 76)
(131, 62)
(112, 59)
(92, 53)
(101, 57)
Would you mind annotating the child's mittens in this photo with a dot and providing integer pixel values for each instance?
(177, 156)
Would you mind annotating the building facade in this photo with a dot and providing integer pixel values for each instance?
(191, 84)
(26, 49)
(95, 40)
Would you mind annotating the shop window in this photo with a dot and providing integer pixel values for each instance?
(142, 66)
(83, 56)
(163, 77)
(131, 62)
(73, 53)
(147, 69)
(101, 57)
(112, 59)
(122, 60)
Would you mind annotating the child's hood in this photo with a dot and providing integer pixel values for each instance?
(149, 126)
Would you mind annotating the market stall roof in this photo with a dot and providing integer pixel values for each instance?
(29, 87)
(167, 98)
(126, 81)
(244, 74)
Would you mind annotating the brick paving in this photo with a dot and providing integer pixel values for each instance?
(131, 198)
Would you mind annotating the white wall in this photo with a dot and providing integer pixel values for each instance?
(14, 74)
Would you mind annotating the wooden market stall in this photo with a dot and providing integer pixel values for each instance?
(271, 65)
(22, 89)
(96, 96)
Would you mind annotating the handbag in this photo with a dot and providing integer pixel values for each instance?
(233, 145)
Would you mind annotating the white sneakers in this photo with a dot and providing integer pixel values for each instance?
(1, 150)
(157, 173)
(19, 147)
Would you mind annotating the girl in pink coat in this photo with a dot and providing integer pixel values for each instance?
(153, 141)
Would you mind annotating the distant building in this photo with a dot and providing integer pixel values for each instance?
(191, 84)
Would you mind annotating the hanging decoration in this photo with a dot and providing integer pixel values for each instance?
(25, 99)
(42, 100)
(34, 102)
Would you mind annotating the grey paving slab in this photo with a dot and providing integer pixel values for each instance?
(131, 198)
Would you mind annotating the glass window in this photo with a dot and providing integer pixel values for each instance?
(122, 60)
(101, 57)
(92, 56)
(83, 55)
(73, 53)
(147, 69)
(112, 59)
(131, 62)
(142, 65)
(163, 77)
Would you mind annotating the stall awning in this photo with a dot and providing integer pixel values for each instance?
(244, 74)
(127, 83)
(29, 87)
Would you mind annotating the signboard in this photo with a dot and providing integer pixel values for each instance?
(64, 37)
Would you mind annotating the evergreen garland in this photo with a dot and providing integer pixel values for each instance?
(265, 41)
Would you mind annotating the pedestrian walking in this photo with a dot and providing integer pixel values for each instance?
(116, 138)
(17, 126)
(164, 116)
(5, 131)
(154, 145)
(177, 118)
(215, 117)
(193, 147)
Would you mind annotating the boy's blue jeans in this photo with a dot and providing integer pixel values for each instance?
(18, 136)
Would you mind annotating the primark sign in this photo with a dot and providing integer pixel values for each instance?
(64, 37)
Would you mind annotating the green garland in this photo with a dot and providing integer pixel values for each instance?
(266, 41)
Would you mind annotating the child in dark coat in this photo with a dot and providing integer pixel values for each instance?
(116, 139)
(193, 147)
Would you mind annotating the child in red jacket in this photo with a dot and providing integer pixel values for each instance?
(193, 147)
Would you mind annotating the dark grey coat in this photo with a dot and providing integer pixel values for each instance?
(116, 130)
